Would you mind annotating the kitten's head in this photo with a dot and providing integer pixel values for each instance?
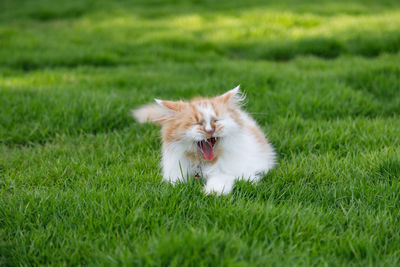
(202, 123)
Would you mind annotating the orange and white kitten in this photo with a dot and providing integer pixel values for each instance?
(210, 137)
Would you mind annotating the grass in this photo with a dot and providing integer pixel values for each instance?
(80, 180)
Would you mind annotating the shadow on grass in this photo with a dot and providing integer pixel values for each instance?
(45, 10)
(175, 50)
(327, 48)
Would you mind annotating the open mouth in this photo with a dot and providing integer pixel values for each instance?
(207, 147)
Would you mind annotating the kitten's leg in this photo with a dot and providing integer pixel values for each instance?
(220, 184)
(176, 171)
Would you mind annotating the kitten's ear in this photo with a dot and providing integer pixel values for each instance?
(233, 96)
(171, 105)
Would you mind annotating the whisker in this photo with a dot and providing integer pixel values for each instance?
(258, 113)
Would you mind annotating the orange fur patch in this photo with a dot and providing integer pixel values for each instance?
(257, 134)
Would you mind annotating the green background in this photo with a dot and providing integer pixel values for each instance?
(80, 180)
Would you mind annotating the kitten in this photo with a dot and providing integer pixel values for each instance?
(209, 137)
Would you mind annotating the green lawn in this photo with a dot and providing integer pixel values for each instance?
(80, 180)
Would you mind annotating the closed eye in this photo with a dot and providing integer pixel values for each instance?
(199, 123)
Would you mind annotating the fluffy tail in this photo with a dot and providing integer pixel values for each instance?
(150, 113)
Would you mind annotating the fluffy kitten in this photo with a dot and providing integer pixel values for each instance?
(209, 137)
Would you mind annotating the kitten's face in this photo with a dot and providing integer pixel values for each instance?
(202, 123)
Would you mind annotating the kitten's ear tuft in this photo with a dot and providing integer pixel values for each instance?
(158, 101)
(233, 96)
(171, 105)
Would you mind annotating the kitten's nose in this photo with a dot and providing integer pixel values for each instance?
(210, 131)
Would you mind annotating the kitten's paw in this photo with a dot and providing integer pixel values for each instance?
(217, 191)
(218, 188)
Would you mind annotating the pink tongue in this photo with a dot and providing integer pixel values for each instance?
(207, 150)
